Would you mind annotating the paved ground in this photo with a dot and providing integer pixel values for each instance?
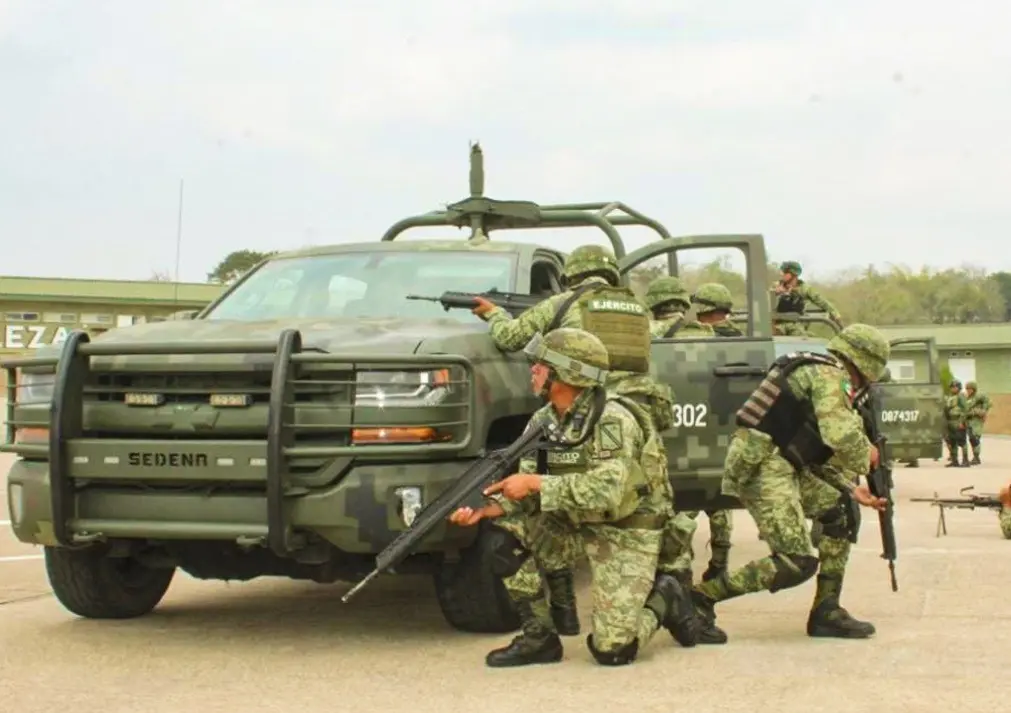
(274, 645)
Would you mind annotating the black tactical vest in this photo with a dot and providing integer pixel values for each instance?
(790, 303)
(773, 409)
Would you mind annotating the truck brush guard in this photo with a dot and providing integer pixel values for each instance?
(69, 431)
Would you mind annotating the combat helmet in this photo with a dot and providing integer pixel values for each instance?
(864, 347)
(791, 266)
(591, 259)
(955, 382)
(711, 297)
(971, 385)
(577, 357)
(664, 290)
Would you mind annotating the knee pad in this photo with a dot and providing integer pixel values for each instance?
(974, 441)
(620, 657)
(506, 553)
(842, 520)
(792, 570)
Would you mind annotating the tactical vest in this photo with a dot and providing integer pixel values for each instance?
(790, 303)
(773, 409)
(645, 478)
(617, 318)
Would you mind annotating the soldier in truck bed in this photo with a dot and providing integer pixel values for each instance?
(597, 302)
(791, 296)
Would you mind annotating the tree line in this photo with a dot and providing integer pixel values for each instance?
(873, 295)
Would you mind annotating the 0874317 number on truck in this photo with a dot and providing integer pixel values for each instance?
(297, 425)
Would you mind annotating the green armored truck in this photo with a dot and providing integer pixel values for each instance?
(295, 426)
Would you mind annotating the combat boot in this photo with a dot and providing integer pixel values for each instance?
(705, 609)
(829, 619)
(975, 459)
(535, 644)
(713, 571)
(562, 595)
(679, 619)
(965, 458)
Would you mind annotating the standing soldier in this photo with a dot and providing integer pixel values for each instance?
(954, 413)
(977, 406)
(792, 294)
(608, 491)
(597, 302)
(799, 453)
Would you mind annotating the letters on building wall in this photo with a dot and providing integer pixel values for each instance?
(33, 336)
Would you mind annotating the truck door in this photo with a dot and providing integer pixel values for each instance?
(710, 377)
(912, 402)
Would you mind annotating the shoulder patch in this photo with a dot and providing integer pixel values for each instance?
(609, 435)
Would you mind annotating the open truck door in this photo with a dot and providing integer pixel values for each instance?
(710, 376)
(912, 411)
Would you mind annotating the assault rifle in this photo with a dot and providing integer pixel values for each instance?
(967, 502)
(879, 480)
(515, 303)
(480, 473)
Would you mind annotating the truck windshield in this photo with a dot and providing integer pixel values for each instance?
(364, 284)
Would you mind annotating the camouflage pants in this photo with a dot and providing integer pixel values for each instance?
(975, 434)
(1004, 518)
(956, 439)
(721, 526)
(779, 499)
(676, 551)
(623, 565)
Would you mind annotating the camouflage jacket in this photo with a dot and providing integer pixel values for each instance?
(1004, 518)
(977, 407)
(726, 328)
(602, 473)
(828, 389)
(690, 329)
(954, 411)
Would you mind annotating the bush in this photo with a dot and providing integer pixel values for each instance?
(946, 376)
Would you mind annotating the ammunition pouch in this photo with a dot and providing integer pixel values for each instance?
(790, 303)
(506, 553)
(842, 521)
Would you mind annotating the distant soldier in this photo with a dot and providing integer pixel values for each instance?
(977, 406)
(793, 294)
(594, 300)
(1004, 517)
(954, 414)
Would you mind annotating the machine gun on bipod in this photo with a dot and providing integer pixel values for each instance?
(968, 501)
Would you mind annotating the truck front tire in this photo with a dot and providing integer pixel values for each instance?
(92, 585)
(471, 597)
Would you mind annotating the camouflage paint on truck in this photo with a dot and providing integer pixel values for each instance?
(297, 424)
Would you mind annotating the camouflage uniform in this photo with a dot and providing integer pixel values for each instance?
(589, 269)
(977, 406)
(954, 413)
(1004, 519)
(795, 300)
(805, 466)
(609, 496)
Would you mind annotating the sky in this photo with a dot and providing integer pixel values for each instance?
(845, 133)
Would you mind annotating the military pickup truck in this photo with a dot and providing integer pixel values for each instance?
(298, 423)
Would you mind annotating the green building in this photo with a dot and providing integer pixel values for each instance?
(974, 352)
(39, 311)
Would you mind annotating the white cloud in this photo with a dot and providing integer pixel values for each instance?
(843, 131)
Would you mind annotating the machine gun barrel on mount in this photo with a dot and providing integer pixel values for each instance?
(966, 502)
(515, 303)
(481, 473)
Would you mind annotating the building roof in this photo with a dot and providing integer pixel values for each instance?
(74, 290)
(982, 335)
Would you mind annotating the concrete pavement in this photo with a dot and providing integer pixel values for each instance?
(943, 640)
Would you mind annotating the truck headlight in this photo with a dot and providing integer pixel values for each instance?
(35, 388)
(402, 388)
